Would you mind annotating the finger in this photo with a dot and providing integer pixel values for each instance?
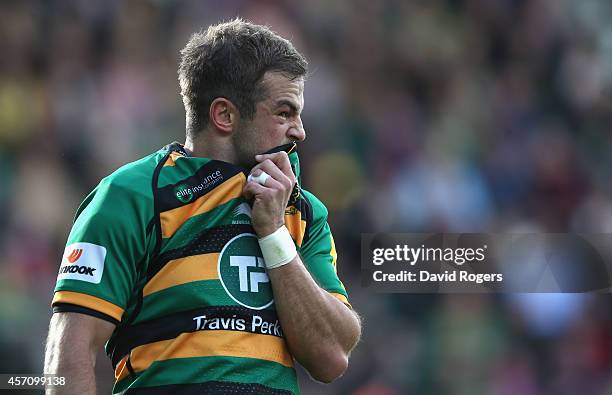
(273, 170)
(259, 176)
(270, 167)
(280, 159)
(255, 191)
(251, 189)
(288, 172)
(270, 182)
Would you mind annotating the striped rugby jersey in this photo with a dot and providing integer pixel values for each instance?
(164, 249)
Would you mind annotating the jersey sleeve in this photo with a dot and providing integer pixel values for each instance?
(318, 251)
(107, 241)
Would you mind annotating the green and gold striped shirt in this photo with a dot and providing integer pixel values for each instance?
(164, 248)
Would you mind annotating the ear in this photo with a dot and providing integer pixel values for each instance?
(223, 115)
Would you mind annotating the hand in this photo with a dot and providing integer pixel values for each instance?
(270, 200)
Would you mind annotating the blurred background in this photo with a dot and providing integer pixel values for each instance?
(437, 116)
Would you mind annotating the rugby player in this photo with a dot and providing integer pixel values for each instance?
(204, 268)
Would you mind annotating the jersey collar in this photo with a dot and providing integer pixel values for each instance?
(290, 149)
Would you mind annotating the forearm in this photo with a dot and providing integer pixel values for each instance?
(319, 329)
(80, 378)
(78, 371)
(73, 359)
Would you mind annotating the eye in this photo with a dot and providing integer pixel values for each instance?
(284, 114)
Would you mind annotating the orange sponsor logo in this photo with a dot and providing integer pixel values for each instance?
(75, 255)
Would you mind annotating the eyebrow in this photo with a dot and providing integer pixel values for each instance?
(287, 103)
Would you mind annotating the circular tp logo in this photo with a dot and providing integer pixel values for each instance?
(243, 273)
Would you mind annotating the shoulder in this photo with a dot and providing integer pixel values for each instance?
(129, 184)
(135, 175)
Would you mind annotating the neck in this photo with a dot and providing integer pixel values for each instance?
(207, 145)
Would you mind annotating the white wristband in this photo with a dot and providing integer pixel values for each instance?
(277, 248)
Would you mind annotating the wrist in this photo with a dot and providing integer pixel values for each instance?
(266, 230)
(277, 248)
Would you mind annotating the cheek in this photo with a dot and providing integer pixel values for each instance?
(276, 129)
(271, 132)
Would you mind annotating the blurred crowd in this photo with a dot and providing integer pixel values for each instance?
(436, 116)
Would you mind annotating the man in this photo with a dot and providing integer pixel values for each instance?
(204, 266)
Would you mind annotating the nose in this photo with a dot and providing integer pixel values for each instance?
(296, 132)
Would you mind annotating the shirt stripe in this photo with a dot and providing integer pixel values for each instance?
(184, 270)
(333, 253)
(296, 226)
(213, 343)
(171, 161)
(226, 369)
(91, 302)
(171, 220)
(341, 298)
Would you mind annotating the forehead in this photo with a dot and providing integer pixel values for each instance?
(280, 87)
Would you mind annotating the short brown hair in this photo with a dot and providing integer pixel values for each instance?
(229, 60)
